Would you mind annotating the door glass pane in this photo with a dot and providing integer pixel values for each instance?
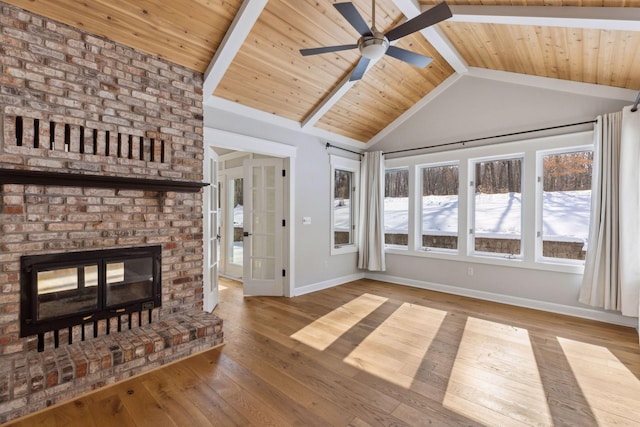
(263, 269)
(270, 199)
(440, 207)
(270, 176)
(566, 204)
(498, 206)
(342, 208)
(235, 248)
(396, 207)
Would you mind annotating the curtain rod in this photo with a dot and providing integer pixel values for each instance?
(635, 104)
(329, 145)
(490, 137)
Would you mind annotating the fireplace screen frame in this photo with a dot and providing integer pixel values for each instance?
(31, 265)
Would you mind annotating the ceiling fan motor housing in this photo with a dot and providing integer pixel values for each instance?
(373, 46)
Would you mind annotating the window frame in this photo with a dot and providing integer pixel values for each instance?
(409, 233)
(352, 166)
(420, 220)
(539, 235)
(471, 235)
(577, 140)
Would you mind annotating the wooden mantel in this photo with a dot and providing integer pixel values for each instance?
(19, 176)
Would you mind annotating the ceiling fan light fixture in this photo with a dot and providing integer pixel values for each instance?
(373, 47)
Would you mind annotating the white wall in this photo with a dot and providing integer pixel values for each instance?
(314, 265)
(472, 108)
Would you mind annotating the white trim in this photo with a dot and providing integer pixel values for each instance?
(578, 88)
(585, 313)
(353, 166)
(438, 90)
(320, 286)
(604, 18)
(437, 39)
(233, 39)
(255, 114)
(235, 141)
(219, 138)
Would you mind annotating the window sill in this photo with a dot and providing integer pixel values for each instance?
(558, 267)
(346, 249)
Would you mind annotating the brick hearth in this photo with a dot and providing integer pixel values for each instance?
(77, 103)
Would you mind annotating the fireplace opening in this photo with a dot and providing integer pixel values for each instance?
(67, 289)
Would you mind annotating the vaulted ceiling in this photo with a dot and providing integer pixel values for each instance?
(249, 51)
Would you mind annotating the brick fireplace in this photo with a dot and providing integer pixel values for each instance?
(114, 121)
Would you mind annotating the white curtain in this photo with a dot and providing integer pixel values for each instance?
(371, 233)
(630, 213)
(601, 281)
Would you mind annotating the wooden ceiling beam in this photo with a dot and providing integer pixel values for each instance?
(411, 9)
(601, 18)
(331, 99)
(238, 31)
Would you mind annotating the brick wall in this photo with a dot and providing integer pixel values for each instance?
(77, 103)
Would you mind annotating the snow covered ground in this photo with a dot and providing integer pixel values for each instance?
(565, 215)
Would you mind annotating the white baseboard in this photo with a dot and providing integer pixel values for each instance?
(585, 313)
(326, 284)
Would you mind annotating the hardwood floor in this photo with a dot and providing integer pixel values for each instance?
(370, 353)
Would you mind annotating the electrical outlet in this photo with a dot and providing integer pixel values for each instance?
(469, 271)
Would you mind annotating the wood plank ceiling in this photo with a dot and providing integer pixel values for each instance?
(268, 73)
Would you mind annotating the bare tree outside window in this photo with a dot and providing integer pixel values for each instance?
(566, 182)
(396, 207)
(498, 206)
(343, 208)
(440, 207)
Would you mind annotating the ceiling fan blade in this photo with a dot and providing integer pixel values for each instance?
(358, 72)
(351, 14)
(438, 13)
(327, 49)
(409, 57)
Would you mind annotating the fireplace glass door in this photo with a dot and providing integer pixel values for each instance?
(129, 280)
(68, 290)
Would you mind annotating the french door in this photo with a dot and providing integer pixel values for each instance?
(263, 227)
(211, 231)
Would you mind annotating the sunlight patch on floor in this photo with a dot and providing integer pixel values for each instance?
(495, 378)
(222, 287)
(612, 391)
(327, 329)
(395, 350)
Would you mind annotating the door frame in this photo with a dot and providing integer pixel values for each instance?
(233, 141)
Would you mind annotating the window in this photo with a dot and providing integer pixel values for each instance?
(497, 207)
(439, 207)
(345, 176)
(396, 207)
(523, 204)
(565, 199)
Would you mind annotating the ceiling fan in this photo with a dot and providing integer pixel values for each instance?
(373, 44)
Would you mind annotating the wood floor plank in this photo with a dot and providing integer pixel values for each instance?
(406, 357)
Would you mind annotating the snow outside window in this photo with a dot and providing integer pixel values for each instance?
(564, 193)
(345, 176)
(497, 207)
(439, 207)
(396, 208)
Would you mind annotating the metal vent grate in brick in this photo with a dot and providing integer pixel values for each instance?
(72, 138)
